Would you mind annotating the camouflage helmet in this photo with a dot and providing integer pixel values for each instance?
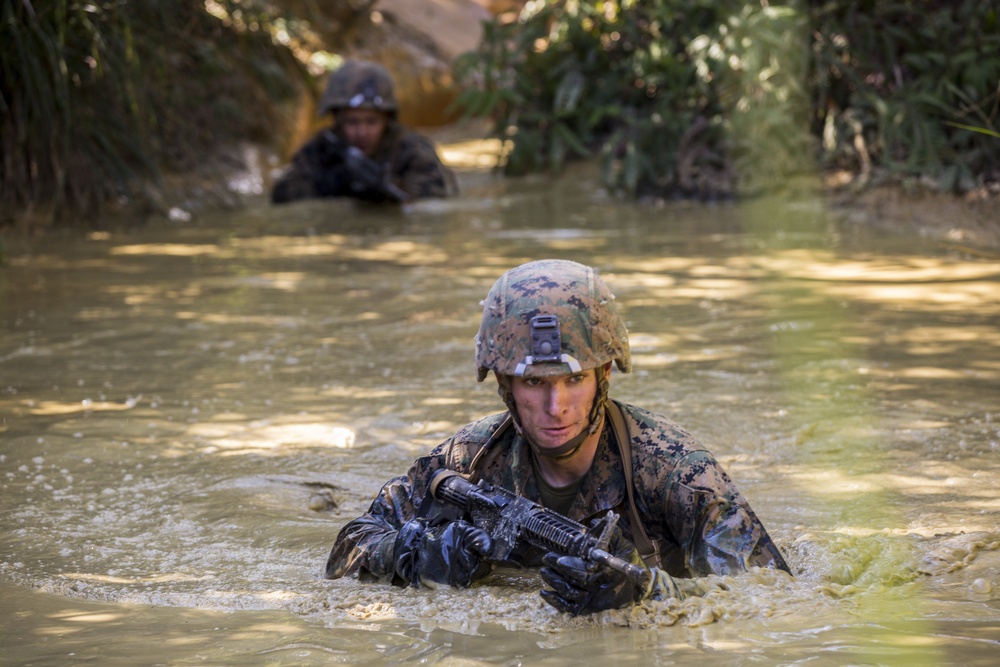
(359, 84)
(550, 317)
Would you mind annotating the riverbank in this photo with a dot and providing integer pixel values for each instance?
(419, 40)
(966, 223)
(241, 177)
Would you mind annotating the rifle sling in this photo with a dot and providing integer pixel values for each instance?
(648, 549)
(478, 460)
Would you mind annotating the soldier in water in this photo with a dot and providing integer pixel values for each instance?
(550, 332)
(367, 154)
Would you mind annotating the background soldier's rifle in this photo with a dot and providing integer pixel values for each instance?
(367, 175)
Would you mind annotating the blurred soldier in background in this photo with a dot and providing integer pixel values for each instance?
(367, 154)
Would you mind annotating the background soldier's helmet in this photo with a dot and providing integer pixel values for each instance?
(359, 84)
(550, 317)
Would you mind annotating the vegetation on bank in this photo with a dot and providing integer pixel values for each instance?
(100, 96)
(699, 98)
(712, 97)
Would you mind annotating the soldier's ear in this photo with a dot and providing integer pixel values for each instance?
(607, 370)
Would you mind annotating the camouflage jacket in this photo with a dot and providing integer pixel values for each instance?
(689, 505)
(407, 159)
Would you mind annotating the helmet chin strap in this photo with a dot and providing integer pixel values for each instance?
(569, 448)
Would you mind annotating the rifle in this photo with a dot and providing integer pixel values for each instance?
(507, 518)
(366, 174)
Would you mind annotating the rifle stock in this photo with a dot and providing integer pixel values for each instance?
(507, 518)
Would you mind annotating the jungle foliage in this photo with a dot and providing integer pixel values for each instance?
(95, 95)
(692, 97)
(705, 98)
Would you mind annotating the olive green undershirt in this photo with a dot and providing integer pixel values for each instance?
(556, 498)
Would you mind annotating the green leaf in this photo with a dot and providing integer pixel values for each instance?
(568, 92)
(570, 139)
(973, 128)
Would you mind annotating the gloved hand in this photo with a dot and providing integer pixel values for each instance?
(364, 177)
(366, 174)
(405, 552)
(453, 554)
(368, 179)
(450, 554)
(584, 587)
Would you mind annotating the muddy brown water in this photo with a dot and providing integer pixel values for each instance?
(181, 404)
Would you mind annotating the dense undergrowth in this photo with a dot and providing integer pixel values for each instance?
(699, 98)
(710, 98)
(100, 96)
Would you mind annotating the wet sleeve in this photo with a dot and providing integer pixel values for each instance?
(292, 185)
(316, 170)
(421, 173)
(364, 545)
(713, 523)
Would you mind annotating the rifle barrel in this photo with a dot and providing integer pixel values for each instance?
(634, 572)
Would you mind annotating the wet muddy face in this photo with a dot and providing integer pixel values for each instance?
(555, 409)
(189, 414)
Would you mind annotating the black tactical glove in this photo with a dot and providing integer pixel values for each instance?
(450, 554)
(405, 552)
(453, 555)
(584, 587)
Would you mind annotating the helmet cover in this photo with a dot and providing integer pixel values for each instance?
(550, 317)
(359, 84)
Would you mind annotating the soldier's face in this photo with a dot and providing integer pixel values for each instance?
(554, 410)
(363, 128)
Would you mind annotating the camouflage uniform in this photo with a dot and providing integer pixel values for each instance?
(406, 159)
(553, 318)
(691, 509)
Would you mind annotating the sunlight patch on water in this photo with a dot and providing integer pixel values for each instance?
(258, 437)
(828, 267)
(86, 405)
(168, 249)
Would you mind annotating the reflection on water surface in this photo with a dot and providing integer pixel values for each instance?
(190, 413)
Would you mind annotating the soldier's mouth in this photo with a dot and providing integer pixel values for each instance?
(557, 432)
